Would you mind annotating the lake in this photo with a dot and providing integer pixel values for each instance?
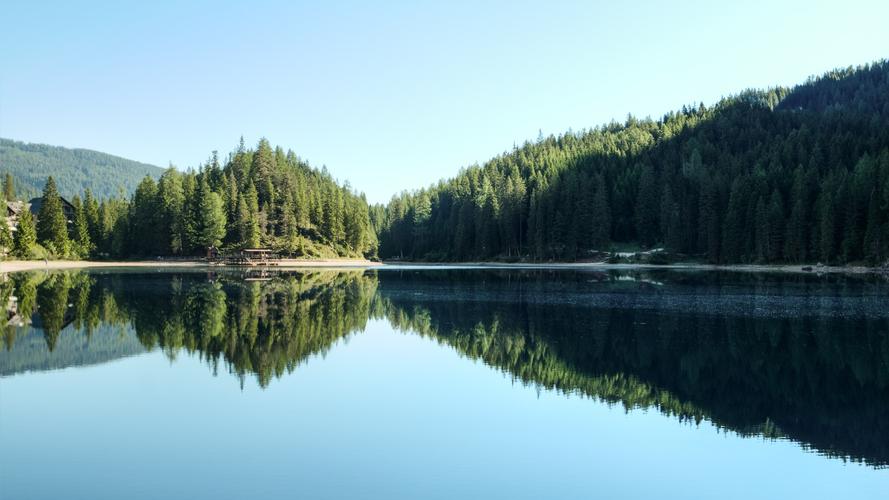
(443, 383)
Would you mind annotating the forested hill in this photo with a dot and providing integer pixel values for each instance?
(256, 197)
(75, 170)
(262, 197)
(766, 176)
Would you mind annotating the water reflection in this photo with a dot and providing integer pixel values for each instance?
(785, 357)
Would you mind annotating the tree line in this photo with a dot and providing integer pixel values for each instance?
(259, 197)
(774, 176)
(784, 175)
(75, 170)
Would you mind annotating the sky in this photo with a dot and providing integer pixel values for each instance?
(394, 95)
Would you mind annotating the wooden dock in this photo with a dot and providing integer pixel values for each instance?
(251, 257)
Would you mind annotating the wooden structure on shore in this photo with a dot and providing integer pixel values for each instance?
(247, 257)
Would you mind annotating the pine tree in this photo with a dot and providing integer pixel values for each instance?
(149, 236)
(708, 219)
(796, 242)
(82, 243)
(873, 243)
(91, 208)
(775, 224)
(52, 227)
(262, 169)
(600, 234)
(8, 188)
(5, 236)
(213, 211)
(25, 235)
(647, 222)
(827, 226)
(207, 222)
(171, 201)
(248, 212)
(761, 231)
(733, 229)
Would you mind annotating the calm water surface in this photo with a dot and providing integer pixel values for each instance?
(443, 383)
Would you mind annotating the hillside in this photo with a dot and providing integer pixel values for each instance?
(264, 197)
(781, 175)
(74, 169)
(257, 197)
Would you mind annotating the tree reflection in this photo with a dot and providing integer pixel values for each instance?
(696, 347)
(819, 380)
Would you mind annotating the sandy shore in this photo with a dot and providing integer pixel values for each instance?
(29, 265)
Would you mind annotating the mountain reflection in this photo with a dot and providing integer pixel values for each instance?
(799, 357)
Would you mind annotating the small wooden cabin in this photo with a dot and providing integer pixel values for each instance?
(67, 208)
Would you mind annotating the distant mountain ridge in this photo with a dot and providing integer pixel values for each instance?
(73, 169)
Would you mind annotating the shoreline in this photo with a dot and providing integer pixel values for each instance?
(758, 268)
(13, 266)
(36, 265)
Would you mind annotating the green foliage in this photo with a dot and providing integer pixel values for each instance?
(256, 198)
(781, 175)
(5, 236)
(52, 226)
(81, 242)
(8, 187)
(75, 169)
(25, 237)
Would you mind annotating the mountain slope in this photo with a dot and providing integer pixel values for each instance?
(767, 176)
(73, 169)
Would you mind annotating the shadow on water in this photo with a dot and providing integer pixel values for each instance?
(799, 357)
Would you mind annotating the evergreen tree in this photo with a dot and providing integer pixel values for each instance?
(731, 200)
(171, 201)
(91, 210)
(775, 225)
(647, 212)
(248, 217)
(262, 170)
(148, 234)
(25, 235)
(83, 246)
(5, 236)
(52, 227)
(600, 234)
(8, 188)
(208, 224)
(827, 227)
(873, 244)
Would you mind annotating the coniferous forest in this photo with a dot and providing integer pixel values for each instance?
(262, 197)
(784, 175)
(775, 176)
(75, 170)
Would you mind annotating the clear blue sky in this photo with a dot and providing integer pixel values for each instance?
(394, 95)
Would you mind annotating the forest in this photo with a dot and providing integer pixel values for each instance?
(75, 170)
(256, 197)
(784, 175)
